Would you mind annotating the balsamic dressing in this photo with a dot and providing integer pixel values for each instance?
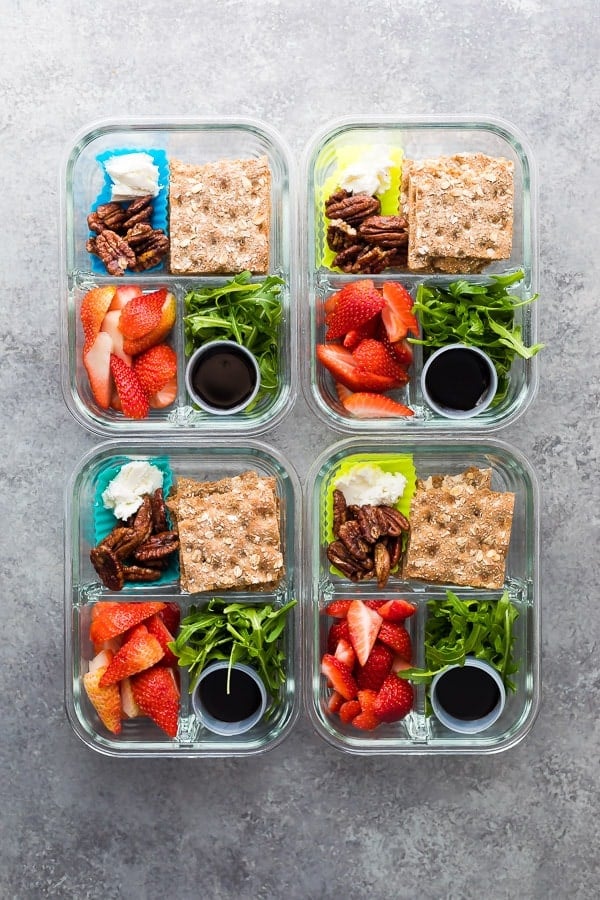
(223, 378)
(467, 693)
(240, 703)
(457, 379)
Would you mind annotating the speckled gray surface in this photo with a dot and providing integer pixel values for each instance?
(304, 821)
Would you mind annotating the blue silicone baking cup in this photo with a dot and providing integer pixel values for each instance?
(159, 203)
(105, 520)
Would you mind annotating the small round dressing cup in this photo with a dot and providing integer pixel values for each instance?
(468, 692)
(458, 381)
(209, 695)
(222, 377)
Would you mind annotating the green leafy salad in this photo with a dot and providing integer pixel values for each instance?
(241, 310)
(478, 315)
(459, 628)
(237, 632)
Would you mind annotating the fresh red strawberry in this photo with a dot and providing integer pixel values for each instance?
(345, 652)
(125, 293)
(132, 396)
(171, 616)
(339, 676)
(110, 325)
(157, 694)
(403, 352)
(330, 304)
(397, 638)
(397, 315)
(96, 361)
(345, 369)
(339, 631)
(394, 699)
(140, 651)
(349, 710)
(357, 303)
(397, 610)
(130, 708)
(150, 319)
(155, 366)
(376, 669)
(367, 698)
(375, 604)
(364, 625)
(366, 721)
(94, 307)
(366, 405)
(334, 702)
(372, 356)
(165, 396)
(156, 626)
(120, 617)
(105, 700)
(338, 609)
(368, 330)
(101, 607)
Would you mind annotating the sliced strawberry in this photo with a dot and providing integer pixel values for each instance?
(366, 721)
(345, 369)
(157, 694)
(94, 307)
(157, 332)
(339, 631)
(97, 365)
(165, 396)
(330, 304)
(102, 606)
(156, 626)
(171, 616)
(397, 315)
(140, 651)
(105, 700)
(339, 676)
(372, 356)
(132, 396)
(345, 652)
(101, 660)
(123, 294)
(130, 708)
(366, 405)
(113, 645)
(403, 352)
(397, 638)
(363, 625)
(334, 702)
(142, 314)
(367, 698)
(375, 604)
(368, 330)
(120, 617)
(110, 325)
(394, 699)
(155, 367)
(397, 610)
(376, 669)
(337, 609)
(357, 304)
(349, 710)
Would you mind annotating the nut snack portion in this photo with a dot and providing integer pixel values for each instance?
(459, 531)
(228, 533)
(220, 216)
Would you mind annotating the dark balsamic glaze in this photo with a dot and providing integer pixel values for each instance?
(223, 378)
(240, 703)
(457, 379)
(467, 693)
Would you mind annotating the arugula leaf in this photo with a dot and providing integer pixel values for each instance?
(479, 315)
(459, 628)
(247, 312)
(236, 632)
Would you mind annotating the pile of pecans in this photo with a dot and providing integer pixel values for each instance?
(125, 239)
(362, 239)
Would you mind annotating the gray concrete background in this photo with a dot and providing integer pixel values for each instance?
(304, 821)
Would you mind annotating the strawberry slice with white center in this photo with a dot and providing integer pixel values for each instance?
(366, 405)
(94, 307)
(339, 676)
(363, 626)
(96, 361)
(110, 325)
(345, 652)
(346, 370)
(397, 314)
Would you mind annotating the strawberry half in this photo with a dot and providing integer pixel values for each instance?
(96, 360)
(156, 693)
(339, 676)
(394, 699)
(338, 632)
(132, 396)
(338, 609)
(335, 701)
(397, 314)
(367, 405)
(140, 651)
(155, 367)
(363, 625)
(397, 610)
(349, 710)
(373, 356)
(397, 638)
(156, 626)
(94, 307)
(346, 370)
(376, 669)
(147, 320)
(356, 304)
(125, 293)
(106, 700)
(120, 617)
(345, 652)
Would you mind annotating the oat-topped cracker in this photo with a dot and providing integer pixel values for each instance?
(228, 533)
(459, 531)
(220, 216)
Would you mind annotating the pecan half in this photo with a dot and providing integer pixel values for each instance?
(142, 524)
(351, 537)
(382, 564)
(157, 546)
(107, 216)
(150, 245)
(340, 513)
(115, 253)
(141, 573)
(139, 210)
(351, 208)
(108, 567)
(394, 545)
(338, 555)
(396, 523)
(122, 540)
(369, 523)
(340, 235)
(385, 231)
(159, 512)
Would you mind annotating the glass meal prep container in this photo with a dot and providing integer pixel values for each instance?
(87, 521)
(420, 732)
(349, 149)
(212, 193)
